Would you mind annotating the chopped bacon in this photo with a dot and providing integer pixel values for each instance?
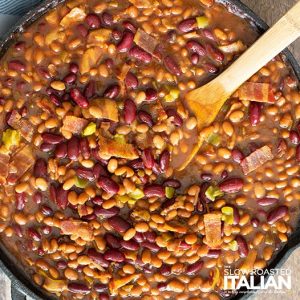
(256, 159)
(116, 284)
(145, 41)
(46, 105)
(104, 109)
(75, 15)
(77, 229)
(74, 124)
(110, 147)
(212, 225)
(4, 160)
(254, 91)
(22, 125)
(89, 59)
(98, 37)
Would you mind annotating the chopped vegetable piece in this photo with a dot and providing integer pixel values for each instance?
(104, 109)
(213, 192)
(202, 22)
(77, 229)
(256, 159)
(74, 124)
(248, 264)
(90, 129)
(212, 225)
(75, 15)
(54, 286)
(11, 138)
(80, 182)
(216, 278)
(234, 47)
(120, 138)
(173, 95)
(169, 192)
(227, 215)
(98, 37)
(145, 41)
(233, 245)
(137, 194)
(254, 91)
(89, 59)
(4, 160)
(214, 139)
(116, 284)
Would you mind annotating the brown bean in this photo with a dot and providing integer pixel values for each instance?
(112, 92)
(73, 149)
(196, 48)
(131, 81)
(93, 21)
(129, 111)
(78, 288)
(61, 150)
(154, 190)
(118, 224)
(78, 98)
(277, 214)
(114, 255)
(126, 42)
(148, 158)
(140, 54)
(266, 201)
(145, 117)
(187, 25)
(106, 213)
(254, 113)
(52, 138)
(108, 185)
(194, 268)
(164, 160)
(16, 65)
(232, 185)
(172, 66)
(130, 245)
(242, 246)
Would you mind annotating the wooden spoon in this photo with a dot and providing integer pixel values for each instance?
(205, 102)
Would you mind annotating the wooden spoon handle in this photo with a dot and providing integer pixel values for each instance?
(277, 38)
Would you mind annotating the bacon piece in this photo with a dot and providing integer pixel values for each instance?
(22, 161)
(104, 109)
(46, 105)
(22, 125)
(98, 37)
(4, 160)
(75, 15)
(256, 159)
(254, 91)
(145, 41)
(212, 225)
(89, 59)
(74, 124)
(116, 284)
(77, 229)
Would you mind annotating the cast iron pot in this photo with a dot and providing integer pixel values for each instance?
(22, 286)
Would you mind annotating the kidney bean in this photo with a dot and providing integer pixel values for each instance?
(55, 100)
(126, 42)
(97, 200)
(172, 66)
(214, 53)
(206, 176)
(37, 197)
(40, 168)
(139, 237)
(16, 65)
(140, 54)
(61, 150)
(46, 147)
(99, 170)
(261, 214)
(236, 216)
(18, 230)
(116, 34)
(242, 246)
(151, 246)
(224, 174)
(44, 73)
(148, 158)
(36, 236)
(112, 92)
(164, 160)
(78, 288)
(74, 68)
(151, 94)
(214, 253)
(52, 138)
(46, 210)
(112, 241)
(177, 120)
(195, 58)
(107, 19)
(162, 286)
(61, 265)
(90, 89)
(97, 257)
(20, 201)
(83, 31)
(89, 217)
(237, 155)
(70, 78)
(254, 113)
(298, 153)
(154, 190)
(20, 46)
(84, 148)
(109, 63)
(266, 201)
(197, 48)
(93, 21)
(255, 222)
(46, 229)
(194, 268)
(73, 149)
(208, 34)
(210, 68)
(130, 245)
(114, 255)
(62, 198)
(85, 173)
(118, 224)
(294, 137)
(129, 26)
(187, 25)
(99, 287)
(108, 185)
(150, 236)
(172, 183)
(232, 185)
(145, 117)
(131, 81)
(78, 98)
(129, 111)
(277, 214)
(165, 270)
(103, 296)
(52, 192)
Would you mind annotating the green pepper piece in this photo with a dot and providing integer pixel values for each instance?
(213, 192)
(90, 129)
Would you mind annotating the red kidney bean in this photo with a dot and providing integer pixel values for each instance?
(112, 241)
(61, 150)
(145, 117)
(62, 198)
(78, 98)
(44, 73)
(187, 25)
(45, 147)
(52, 192)
(116, 34)
(156, 169)
(165, 270)
(139, 237)
(97, 200)
(20, 46)
(103, 296)
(242, 246)
(151, 246)
(98, 287)
(83, 31)
(36, 236)
(254, 113)
(232, 185)
(206, 176)
(150, 236)
(277, 214)
(46, 229)
(154, 190)
(129, 111)
(40, 168)
(171, 36)
(78, 288)
(294, 137)
(20, 201)
(70, 78)
(109, 63)
(73, 149)
(74, 68)
(93, 21)
(151, 94)
(172, 183)
(214, 53)
(208, 34)
(164, 160)
(85, 173)
(210, 68)
(46, 210)
(148, 158)
(97, 257)
(236, 216)
(162, 286)
(224, 174)
(114, 255)
(16, 65)
(136, 164)
(266, 201)
(106, 213)
(237, 155)
(108, 185)
(196, 48)
(112, 92)
(214, 253)
(90, 89)
(84, 148)
(130, 245)
(255, 222)
(107, 19)
(99, 170)
(52, 138)
(129, 26)
(118, 224)
(54, 99)
(177, 120)
(126, 42)
(37, 197)
(140, 54)
(298, 153)
(18, 230)
(195, 58)
(131, 81)
(261, 214)
(61, 265)
(89, 217)
(172, 66)
(194, 268)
